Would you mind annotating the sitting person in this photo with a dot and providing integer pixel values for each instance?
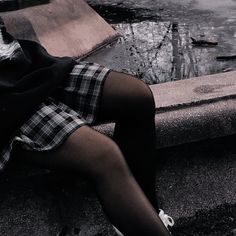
(47, 107)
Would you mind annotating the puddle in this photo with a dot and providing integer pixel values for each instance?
(158, 52)
(219, 6)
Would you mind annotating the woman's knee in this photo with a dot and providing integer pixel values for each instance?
(95, 154)
(109, 161)
(144, 103)
(140, 102)
(126, 97)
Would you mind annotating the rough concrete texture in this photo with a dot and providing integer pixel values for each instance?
(183, 123)
(59, 25)
(196, 123)
(194, 91)
(211, 184)
(196, 185)
(28, 207)
(45, 204)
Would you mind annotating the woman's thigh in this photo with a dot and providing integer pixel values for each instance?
(85, 151)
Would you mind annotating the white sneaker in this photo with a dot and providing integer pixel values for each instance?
(167, 220)
(117, 231)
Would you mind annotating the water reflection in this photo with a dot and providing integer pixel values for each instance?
(161, 50)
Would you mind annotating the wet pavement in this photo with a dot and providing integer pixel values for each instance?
(157, 44)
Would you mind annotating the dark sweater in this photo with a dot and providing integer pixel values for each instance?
(28, 75)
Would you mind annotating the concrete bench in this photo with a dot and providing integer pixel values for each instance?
(61, 24)
(193, 110)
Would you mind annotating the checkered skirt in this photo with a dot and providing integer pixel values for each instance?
(56, 119)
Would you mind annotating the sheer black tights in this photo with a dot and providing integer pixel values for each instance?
(129, 103)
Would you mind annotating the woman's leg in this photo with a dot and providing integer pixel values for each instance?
(98, 158)
(129, 102)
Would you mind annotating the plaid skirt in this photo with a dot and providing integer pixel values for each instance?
(55, 119)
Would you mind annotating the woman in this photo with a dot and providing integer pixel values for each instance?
(47, 107)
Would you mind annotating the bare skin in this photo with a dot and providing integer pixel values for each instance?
(117, 168)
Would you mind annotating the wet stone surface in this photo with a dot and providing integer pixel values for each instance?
(157, 44)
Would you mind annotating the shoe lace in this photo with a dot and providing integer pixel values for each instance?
(167, 220)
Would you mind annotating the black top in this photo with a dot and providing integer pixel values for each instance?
(28, 74)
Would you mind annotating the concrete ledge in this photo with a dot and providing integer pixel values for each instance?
(192, 110)
(195, 91)
(71, 22)
(196, 123)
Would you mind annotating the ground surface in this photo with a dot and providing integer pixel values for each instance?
(196, 183)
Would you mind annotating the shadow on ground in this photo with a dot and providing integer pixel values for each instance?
(219, 221)
(196, 185)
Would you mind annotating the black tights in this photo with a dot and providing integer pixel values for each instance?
(129, 103)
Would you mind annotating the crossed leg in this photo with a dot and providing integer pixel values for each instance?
(100, 159)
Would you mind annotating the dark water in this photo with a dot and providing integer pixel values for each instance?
(157, 43)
